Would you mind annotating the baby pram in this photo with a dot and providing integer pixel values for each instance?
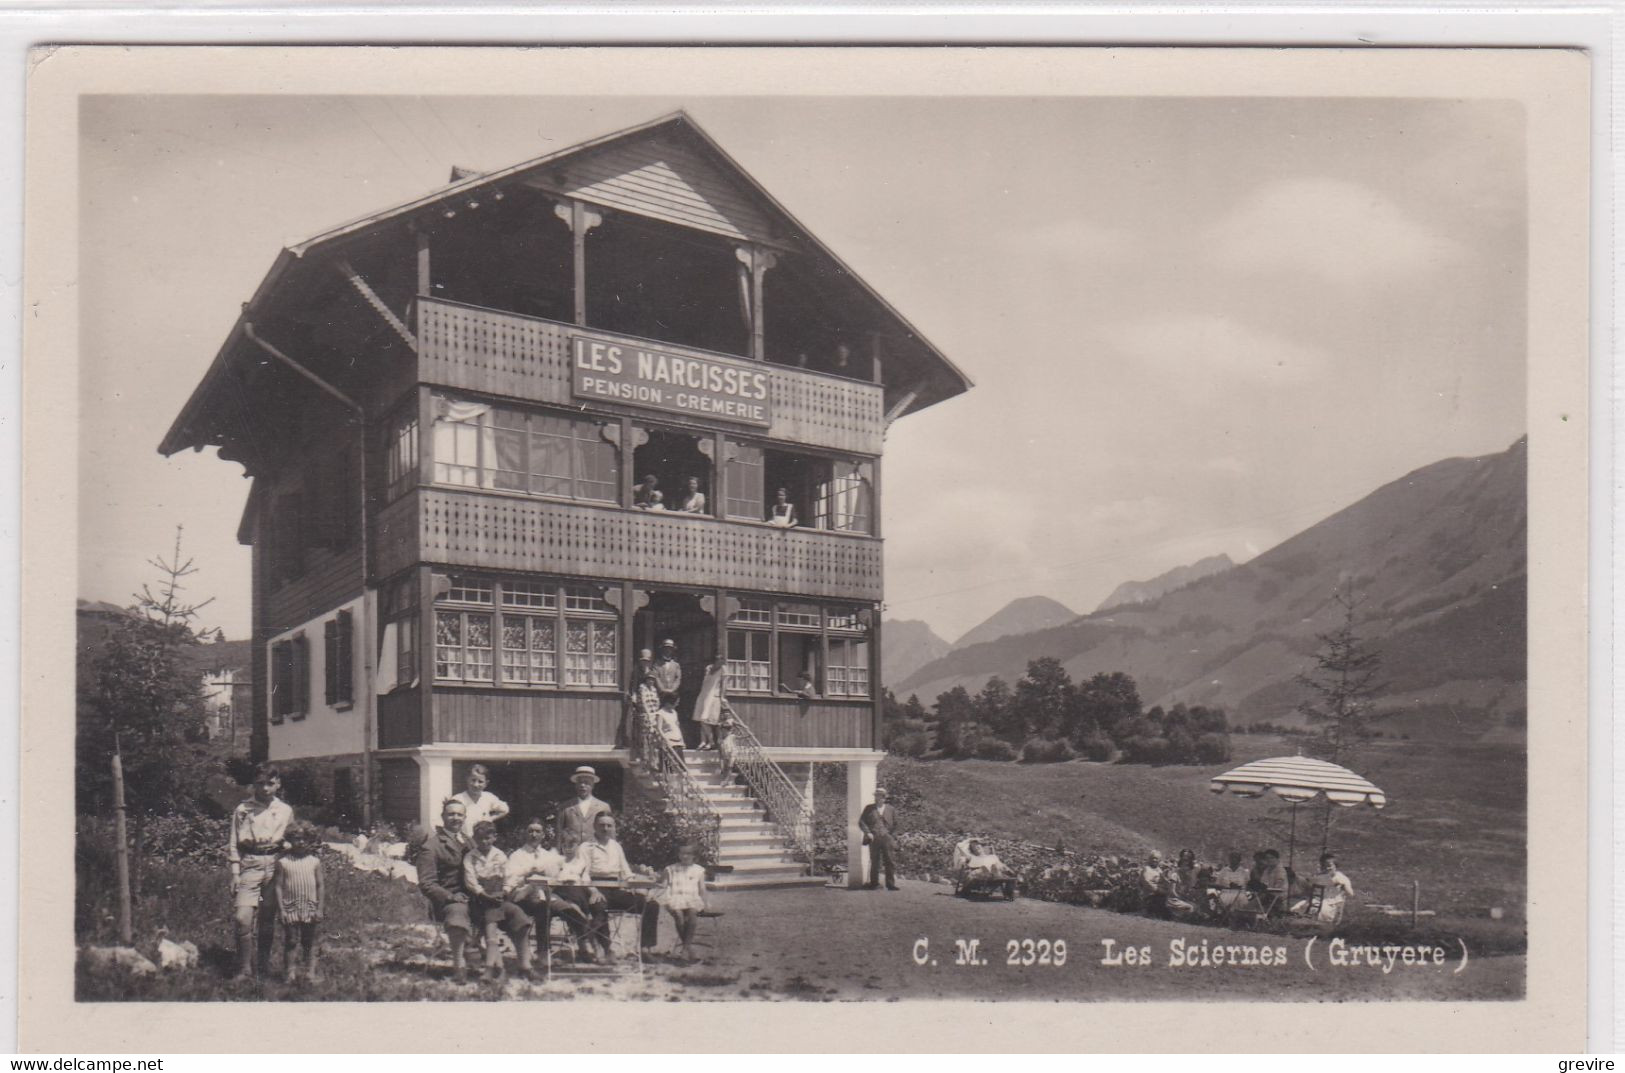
(981, 874)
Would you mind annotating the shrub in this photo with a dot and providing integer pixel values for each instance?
(651, 835)
(1044, 751)
(995, 749)
(913, 743)
(1213, 748)
(1095, 746)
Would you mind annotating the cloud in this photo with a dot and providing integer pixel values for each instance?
(1194, 344)
(1342, 232)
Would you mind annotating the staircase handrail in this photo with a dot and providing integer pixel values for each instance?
(786, 806)
(683, 793)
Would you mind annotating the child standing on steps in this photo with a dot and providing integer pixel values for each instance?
(301, 896)
(682, 892)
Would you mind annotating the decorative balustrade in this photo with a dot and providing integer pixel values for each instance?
(683, 795)
(509, 354)
(494, 532)
(786, 806)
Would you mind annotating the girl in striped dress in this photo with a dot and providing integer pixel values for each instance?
(300, 891)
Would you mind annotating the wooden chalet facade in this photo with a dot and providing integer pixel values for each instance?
(449, 411)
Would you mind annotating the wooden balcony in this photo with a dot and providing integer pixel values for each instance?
(476, 349)
(515, 533)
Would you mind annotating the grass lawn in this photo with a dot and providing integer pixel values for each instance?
(1455, 820)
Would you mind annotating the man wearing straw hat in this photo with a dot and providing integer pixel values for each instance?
(576, 815)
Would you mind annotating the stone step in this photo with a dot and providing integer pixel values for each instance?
(766, 882)
(739, 837)
(774, 866)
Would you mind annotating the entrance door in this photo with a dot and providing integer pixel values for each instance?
(678, 616)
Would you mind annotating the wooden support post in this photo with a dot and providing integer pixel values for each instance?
(581, 220)
(876, 686)
(425, 277)
(121, 850)
(719, 489)
(425, 657)
(1416, 900)
(761, 260)
(578, 259)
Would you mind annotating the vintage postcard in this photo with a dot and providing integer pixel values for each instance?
(957, 548)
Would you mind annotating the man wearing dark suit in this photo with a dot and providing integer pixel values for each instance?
(439, 860)
(878, 824)
(577, 814)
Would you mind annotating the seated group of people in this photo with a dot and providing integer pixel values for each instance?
(477, 891)
(1267, 888)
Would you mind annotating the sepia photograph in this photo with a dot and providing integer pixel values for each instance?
(831, 546)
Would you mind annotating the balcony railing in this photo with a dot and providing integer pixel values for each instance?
(498, 532)
(486, 350)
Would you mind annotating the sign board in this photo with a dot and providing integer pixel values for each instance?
(636, 374)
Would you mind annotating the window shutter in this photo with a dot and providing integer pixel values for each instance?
(301, 676)
(330, 660)
(344, 691)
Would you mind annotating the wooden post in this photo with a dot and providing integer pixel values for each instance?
(121, 852)
(425, 279)
(578, 259)
(1416, 901)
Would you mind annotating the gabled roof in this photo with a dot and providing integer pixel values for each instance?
(943, 379)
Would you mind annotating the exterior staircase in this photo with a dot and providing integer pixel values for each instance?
(749, 843)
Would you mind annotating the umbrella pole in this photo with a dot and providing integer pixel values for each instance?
(1292, 838)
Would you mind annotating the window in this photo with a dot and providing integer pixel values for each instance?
(546, 634)
(756, 612)
(780, 647)
(462, 646)
(530, 650)
(799, 657)
(529, 594)
(844, 502)
(400, 615)
(401, 456)
(747, 669)
(848, 674)
(477, 445)
(339, 662)
(590, 653)
(806, 616)
(290, 679)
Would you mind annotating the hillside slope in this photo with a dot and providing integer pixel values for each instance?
(1143, 592)
(910, 645)
(1019, 616)
(1438, 558)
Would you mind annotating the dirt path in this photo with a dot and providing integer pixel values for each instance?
(832, 945)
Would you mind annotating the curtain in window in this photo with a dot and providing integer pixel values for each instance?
(745, 478)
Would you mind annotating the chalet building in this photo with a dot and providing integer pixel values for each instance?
(450, 411)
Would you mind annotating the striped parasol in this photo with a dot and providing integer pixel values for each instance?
(1297, 779)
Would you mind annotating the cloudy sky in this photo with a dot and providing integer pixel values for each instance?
(1196, 325)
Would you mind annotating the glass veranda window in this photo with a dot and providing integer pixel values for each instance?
(477, 445)
(747, 668)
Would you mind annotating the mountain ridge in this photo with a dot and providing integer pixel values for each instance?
(1437, 558)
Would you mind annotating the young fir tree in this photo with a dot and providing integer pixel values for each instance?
(1342, 683)
(141, 695)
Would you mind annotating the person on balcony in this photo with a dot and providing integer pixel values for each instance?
(644, 490)
(783, 512)
(603, 862)
(692, 501)
(577, 814)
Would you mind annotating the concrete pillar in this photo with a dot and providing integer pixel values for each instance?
(434, 786)
(860, 793)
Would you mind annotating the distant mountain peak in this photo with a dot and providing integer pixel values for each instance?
(1143, 592)
(1024, 614)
